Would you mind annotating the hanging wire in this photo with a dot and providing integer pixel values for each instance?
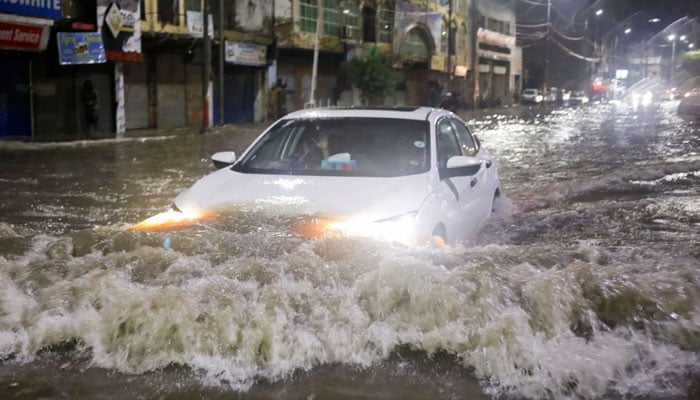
(573, 53)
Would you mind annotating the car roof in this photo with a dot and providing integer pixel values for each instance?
(410, 113)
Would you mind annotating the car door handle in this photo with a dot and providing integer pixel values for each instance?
(488, 163)
(473, 182)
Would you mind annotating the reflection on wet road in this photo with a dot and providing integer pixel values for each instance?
(584, 284)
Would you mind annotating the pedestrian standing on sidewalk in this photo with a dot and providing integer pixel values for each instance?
(91, 103)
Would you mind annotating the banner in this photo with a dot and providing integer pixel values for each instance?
(80, 48)
(23, 36)
(195, 24)
(245, 54)
(120, 24)
(49, 9)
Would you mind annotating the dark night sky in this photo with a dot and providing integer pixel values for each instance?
(569, 18)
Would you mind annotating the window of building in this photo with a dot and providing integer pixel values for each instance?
(168, 11)
(386, 22)
(369, 24)
(308, 12)
(444, 36)
(351, 19)
(330, 17)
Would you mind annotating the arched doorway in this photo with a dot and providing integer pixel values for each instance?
(415, 51)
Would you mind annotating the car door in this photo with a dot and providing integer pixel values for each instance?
(485, 185)
(461, 207)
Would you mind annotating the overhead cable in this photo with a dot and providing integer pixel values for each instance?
(573, 53)
(534, 3)
(566, 36)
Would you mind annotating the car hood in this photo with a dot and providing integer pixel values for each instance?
(369, 198)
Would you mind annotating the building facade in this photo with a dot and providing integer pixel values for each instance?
(148, 71)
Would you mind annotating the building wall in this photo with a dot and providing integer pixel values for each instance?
(170, 78)
(136, 95)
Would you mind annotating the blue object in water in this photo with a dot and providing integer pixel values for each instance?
(166, 242)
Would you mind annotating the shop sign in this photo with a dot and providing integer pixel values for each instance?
(81, 48)
(245, 54)
(195, 24)
(49, 9)
(23, 37)
(120, 25)
(495, 39)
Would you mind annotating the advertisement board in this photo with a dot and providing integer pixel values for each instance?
(245, 54)
(49, 9)
(27, 37)
(80, 48)
(120, 25)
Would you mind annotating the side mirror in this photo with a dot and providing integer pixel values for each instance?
(461, 166)
(223, 159)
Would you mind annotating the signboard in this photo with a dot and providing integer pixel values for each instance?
(245, 54)
(49, 9)
(495, 38)
(195, 24)
(80, 48)
(23, 36)
(119, 23)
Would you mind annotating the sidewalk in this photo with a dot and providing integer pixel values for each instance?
(258, 127)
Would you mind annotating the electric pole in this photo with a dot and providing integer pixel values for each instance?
(546, 45)
(222, 56)
(474, 17)
(205, 67)
(449, 45)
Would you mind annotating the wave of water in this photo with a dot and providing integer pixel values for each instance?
(258, 302)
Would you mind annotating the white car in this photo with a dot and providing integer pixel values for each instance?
(402, 174)
(532, 96)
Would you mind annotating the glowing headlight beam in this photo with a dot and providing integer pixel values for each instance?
(170, 219)
(400, 229)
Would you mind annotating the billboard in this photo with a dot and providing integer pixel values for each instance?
(120, 25)
(80, 48)
(49, 9)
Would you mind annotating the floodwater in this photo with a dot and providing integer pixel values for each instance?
(585, 283)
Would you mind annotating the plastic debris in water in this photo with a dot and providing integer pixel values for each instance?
(166, 242)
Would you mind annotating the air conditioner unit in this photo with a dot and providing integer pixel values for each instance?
(348, 32)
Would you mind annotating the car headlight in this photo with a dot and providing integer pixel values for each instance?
(646, 98)
(635, 99)
(400, 228)
(171, 219)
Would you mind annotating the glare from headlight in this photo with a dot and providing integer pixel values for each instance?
(169, 220)
(396, 229)
(646, 99)
(635, 99)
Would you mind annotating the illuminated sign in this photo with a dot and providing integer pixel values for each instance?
(50, 9)
(23, 36)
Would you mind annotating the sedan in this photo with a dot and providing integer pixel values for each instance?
(412, 175)
(532, 96)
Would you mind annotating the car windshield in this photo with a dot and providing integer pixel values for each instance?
(530, 91)
(372, 147)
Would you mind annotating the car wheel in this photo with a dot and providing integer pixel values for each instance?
(439, 236)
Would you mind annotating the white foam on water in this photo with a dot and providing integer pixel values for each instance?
(352, 302)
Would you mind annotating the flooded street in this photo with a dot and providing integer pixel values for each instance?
(585, 283)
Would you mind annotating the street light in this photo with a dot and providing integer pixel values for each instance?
(599, 12)
(627, 31)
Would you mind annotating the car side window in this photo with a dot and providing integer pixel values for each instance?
(466, 141)
(447, 143)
